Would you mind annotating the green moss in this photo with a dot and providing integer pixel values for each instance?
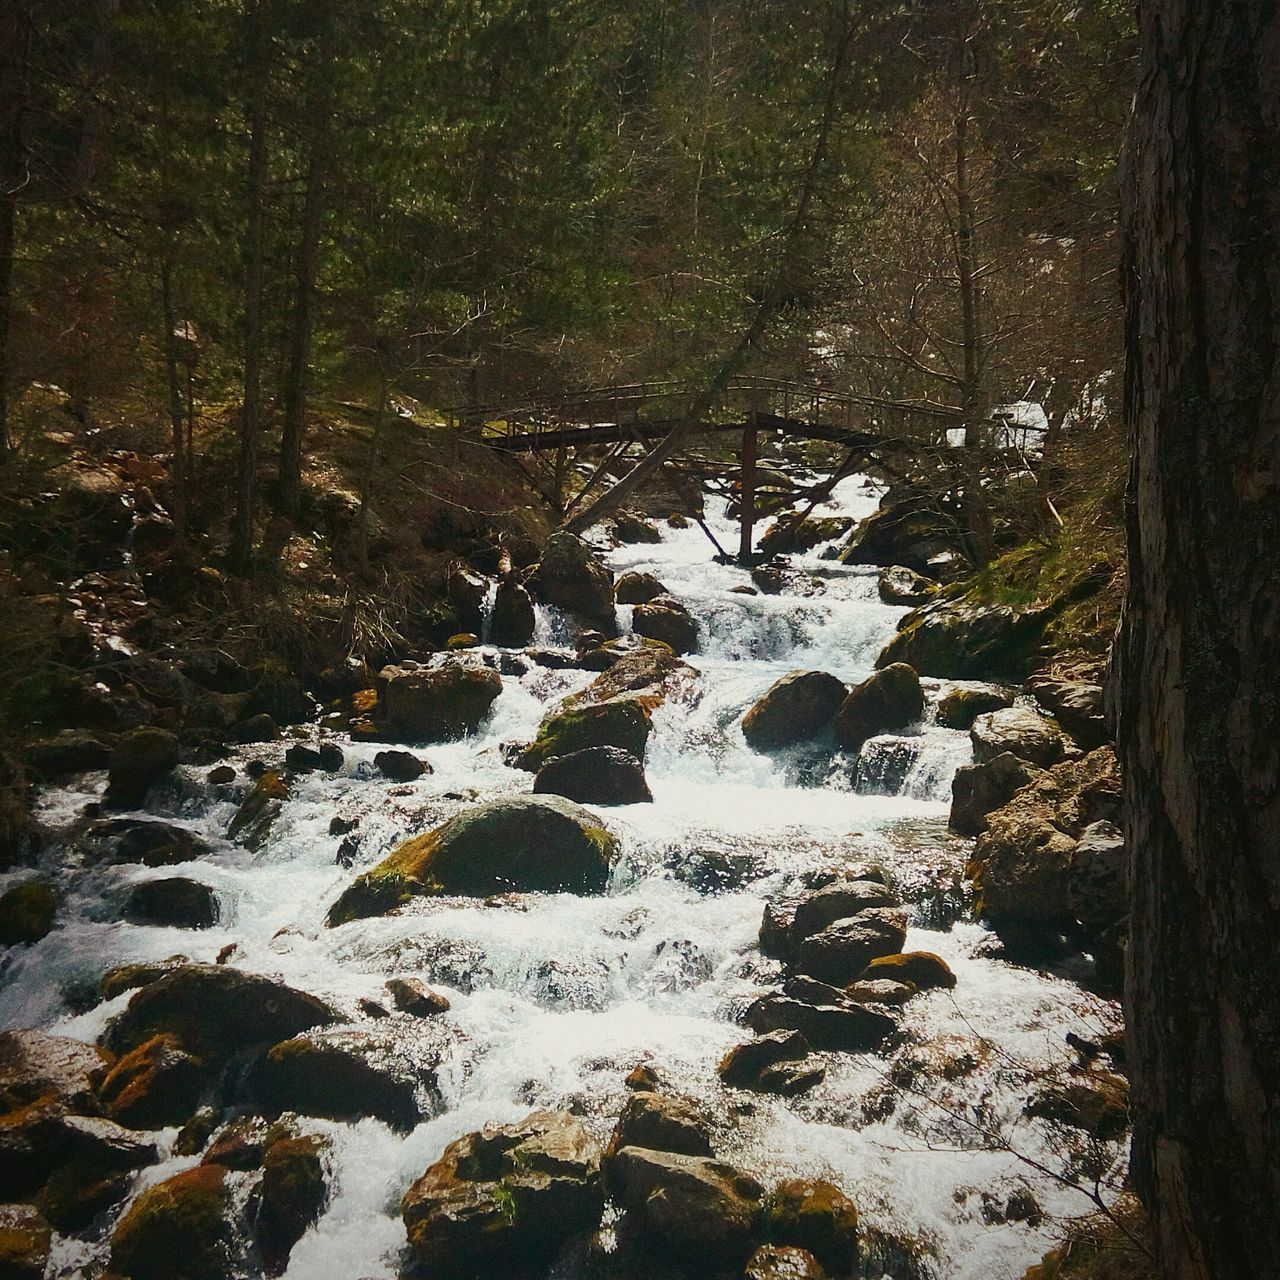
(623, 723)
(26, 913)
(178, 1228)
(922, 969)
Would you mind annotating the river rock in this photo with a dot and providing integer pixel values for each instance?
(799, 707)
(1098, 1105)
(154, 1085)
(400, 766)
(960, 640)
(832, 1022)
(961, 707)
(899, 585)
(25, 1240)
(783, 1262)
(628, 527)
(505, 1200)
(692, 1209)
(69, 752)
(140, 758)
(513, 620)
(776, 1062)
(301, 758)
(1023, 864)
(838, 901)
(890, 699)
(638, 668)
(1021, 732)
(1098, 888)
(413, 996)
(660, 1122)
(438, 703)
(595, 775)
(621, 722)
(786, 535)
(214, 1011)
(979, 789)
(466, 592)
(180, 1228)
(899, 533)
(637, 588)
(922, 969)
(293, 1196)
(570, 577)
(35, 1065)
(881, 991)
(1077, 705)
(27, 912)
(839, 953)
(252, 822)
(665, 619)
(152, 843)
(520, 844)
(346, 1075)
(815, 1215)
(175, 901)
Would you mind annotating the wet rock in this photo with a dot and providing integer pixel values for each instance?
(890, 699)
(139, 759)
(327, 756)
(666, 620)
(35, 1065)
(769, 1063)
(798, 708)
(1098, 1105)
(570, 577)
(154, 1085)
(345, 1075)
(69, 752)
(627, 527)
(411, 995)
(251, 824)
(522, 844)
(837, 1024)
(214, 1011)
(127, 977)
(640, 669)
(814, 1215)
(922, 969)
(25, 1240)
(961, 707)
(1098, 887)
(175, 902)
(775, 929)
(439, 703)
(513, 620)
(595, 775)
(1077, 705)
(154, 844)
(256, 728)
(622, 722)
(839, 953)
(979, 789)
(783, 1262)
(400, 766)
(642, 1078)
(899, 533)
(504, 1201)
(240, 1144)
(294, 1194)
(26, 913)
(466, 592)
(788, 536)
(180, 1229)
(885, 991)
(660, 1122)
(638, 588)
(899, 585)
(838, 901)
(1020, 732)
(692, 1209)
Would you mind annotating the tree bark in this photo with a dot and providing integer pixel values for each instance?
(15, 53)
(1199, 654)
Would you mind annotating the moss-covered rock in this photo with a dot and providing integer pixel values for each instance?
(637, 668)
(144, 840)
(622, 722)
(638, 588)
(890, 699)
(899, 585)
(294, 1194)
(523, 844)
(180, 1229)
(140, 758)
(922, 969)
(25, 1240)
(174, 901)
(595, 775)
(797, 708)
(27, 912)
(817, 1216)
(961, 707)
(438, 703)
(513, 620)
(665, 620)
(958, 639)
(252, 821)
(128, 977)
(787, 535)
(154, 1085)
(570, 577)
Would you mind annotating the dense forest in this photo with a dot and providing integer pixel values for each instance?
(640, 639)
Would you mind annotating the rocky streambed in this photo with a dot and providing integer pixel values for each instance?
(616, 950)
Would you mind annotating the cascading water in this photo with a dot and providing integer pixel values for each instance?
(556, 997)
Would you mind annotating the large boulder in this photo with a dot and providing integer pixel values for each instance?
(900, 533)
(159, 1083)
(505, 1200)
(437, 703)
(628, 527)
(1098, 890)
(959, 640)
(979, 789)
(1024, 866)
(513, 620)
(890, 699)
(293, 1195)
(798, 708)
(692, 1209)
(660, 1122)
(838, 901)
(522, 844)
(214, 1011)
(841, 951)
(595, 775)
(570, 577)
(638, 668)
(27, 912)
(787, 535)
(152, 843)
(665, 619)
(961, 707)
(1077, 705)
(36, 1065)
(140, 758)
(815, 1215)
(180, 1229)
(174, 901)
(637, 588)
(922, 969)
(621, 722)
(1022, 732)
(899, 585)
(824, 1015)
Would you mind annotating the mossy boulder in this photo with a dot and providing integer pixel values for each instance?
(25, 1240)
(637, 588)
(667, 621)
(27, 912)
(890, 699)
(128, 977)
(789, 535)
(439, 703)
(899, 585)
(1098, 1105)
(637, 668)
(180, 1229)
(622, 722)
(149, 842)
(139, 759)
(252, 821)
(628, 527)
(922, 969)
(154, 1085)
(174, 901)
(961, 707)
(957, 639)
(783, 1262)
(798, 708)
(293, 1196)
(900, 533)
(513, 620)
(69, 752)
(595, 775)
(817, 1216)
(522, 844)
(214, 1011)
(570, 577)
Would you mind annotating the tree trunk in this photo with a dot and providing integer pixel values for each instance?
(15, 52)
(1199, 655)
(251, 422)
(178, 467)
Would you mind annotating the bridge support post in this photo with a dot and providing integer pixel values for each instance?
(747, 488)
